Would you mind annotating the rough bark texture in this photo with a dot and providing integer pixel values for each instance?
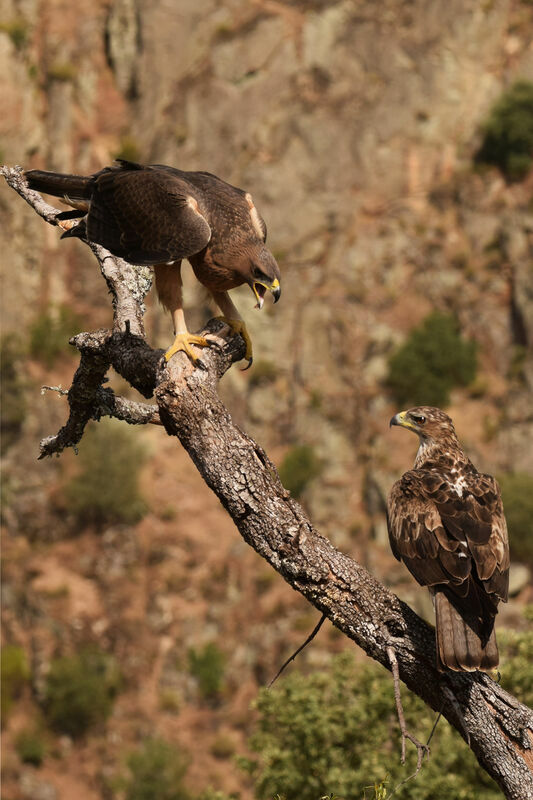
(497, 727)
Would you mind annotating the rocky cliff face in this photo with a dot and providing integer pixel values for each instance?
(353, 124)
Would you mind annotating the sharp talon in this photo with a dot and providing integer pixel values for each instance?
(183, 342)
(238, 326)
(250, 362)
(199, 363)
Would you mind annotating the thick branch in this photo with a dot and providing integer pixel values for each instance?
(497, 727)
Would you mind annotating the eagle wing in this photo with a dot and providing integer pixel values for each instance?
(449, 538)
(146, 216)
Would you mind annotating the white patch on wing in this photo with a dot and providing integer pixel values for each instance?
(256, 221)
(192, 203)
(459, 485)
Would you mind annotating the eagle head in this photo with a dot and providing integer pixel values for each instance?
(426, 422)
(263, 275)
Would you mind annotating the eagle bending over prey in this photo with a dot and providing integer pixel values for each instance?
(157, 216)
(446, 523)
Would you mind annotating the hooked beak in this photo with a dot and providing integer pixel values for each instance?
(259, 289)
(403, 421)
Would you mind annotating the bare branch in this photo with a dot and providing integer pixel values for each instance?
(15, 178)
(130, 411)
(422, 749)
(299, 650)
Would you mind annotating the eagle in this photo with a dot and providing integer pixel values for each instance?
(446, 523)
(158, 215)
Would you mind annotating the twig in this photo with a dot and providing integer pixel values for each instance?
(422, 749)
(309, 639)
(434, 728)
(15, 178)
(59, 389)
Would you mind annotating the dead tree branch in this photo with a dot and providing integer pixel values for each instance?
(499, 728)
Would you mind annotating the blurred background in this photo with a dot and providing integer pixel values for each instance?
(389, 148)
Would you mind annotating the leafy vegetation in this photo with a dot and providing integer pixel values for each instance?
(62, 71)
(12, 393)
(517, 496)
(157, 772)
(208, 667)
(299, 467)
(17, 30)
(432, 360)
(264, 372)
(106, 489)
(129, 149)
(517, 650)
(50, 333)
(30, 746)
(337, 731)
(15, 675)
(80, 691)
(508, 133)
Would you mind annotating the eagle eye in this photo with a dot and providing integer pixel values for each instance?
(260, 276)
(418, 418)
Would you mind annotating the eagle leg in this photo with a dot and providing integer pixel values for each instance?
(168, 286)
(233, 320)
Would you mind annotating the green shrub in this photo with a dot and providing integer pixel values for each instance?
(336, 731)
(12, 393)
(517, 496)
(106, 490)
(129, 149)
(299, 467)
(30, 747)
(15, 675)
(508, 133)
(223, 747)
(216, 794)
(208, 666)
(263, 373)
(50, 333)
(157, 772)
(80, 691)
(516, 651)
(62, 71)
(17, 30)
(432, 360)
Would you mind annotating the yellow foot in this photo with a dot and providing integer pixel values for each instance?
(183, 341)
(239, 326)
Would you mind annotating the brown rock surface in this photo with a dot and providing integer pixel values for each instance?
(353, 124)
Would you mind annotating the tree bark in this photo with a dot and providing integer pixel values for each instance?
(498, 728)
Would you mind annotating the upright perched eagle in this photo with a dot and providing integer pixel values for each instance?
(158, 215)
(446, 524)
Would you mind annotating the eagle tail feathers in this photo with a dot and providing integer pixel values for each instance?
(59, 184)
(461, 644)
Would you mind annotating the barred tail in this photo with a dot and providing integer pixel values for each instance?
(460, 646)
(77, 187)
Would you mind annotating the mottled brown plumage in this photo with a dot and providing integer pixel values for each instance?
(158, 215)
(446, 523)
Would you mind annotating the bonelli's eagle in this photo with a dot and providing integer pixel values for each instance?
(446, 523)
(158, 215)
